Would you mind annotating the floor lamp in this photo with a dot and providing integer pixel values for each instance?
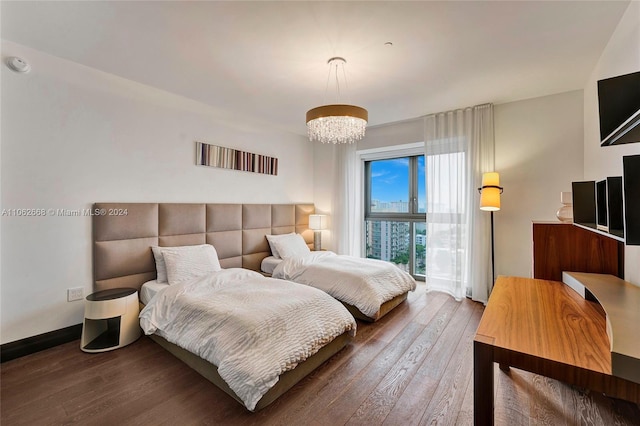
(490, 201)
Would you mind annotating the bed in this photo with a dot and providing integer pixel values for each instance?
(369, 288)
(125, 232)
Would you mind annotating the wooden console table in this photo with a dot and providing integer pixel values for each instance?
(544, 327)
(559, 247)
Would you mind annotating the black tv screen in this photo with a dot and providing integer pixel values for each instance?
(584, 203)
(619, 107)
(631, 183)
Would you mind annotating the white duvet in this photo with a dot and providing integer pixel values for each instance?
(363, 283)
(251, 327)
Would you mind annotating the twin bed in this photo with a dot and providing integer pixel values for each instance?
(368, 288)
(263, 334)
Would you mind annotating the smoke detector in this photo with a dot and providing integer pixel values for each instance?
(18, 65)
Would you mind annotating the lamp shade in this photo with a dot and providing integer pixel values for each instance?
(318, 222)
(490, 192)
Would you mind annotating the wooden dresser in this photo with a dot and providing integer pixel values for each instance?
(559, 247)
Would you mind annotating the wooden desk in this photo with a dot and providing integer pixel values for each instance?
(546, 328)
(621, 303)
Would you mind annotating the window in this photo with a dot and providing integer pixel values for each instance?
(395, 199)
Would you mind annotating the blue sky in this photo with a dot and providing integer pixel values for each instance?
(390, 180)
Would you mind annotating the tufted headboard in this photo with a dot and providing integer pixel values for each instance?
(124, 232)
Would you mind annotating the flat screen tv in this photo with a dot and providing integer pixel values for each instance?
(619, 107)
(631, 183)
(584, 203)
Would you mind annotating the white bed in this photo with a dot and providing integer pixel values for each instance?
(150, 289)
(269, 263)
(252, 328)
(369, 288)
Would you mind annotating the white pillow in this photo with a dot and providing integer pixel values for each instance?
(272, 239)
(161, 267)
(185, 265)
(292, 246)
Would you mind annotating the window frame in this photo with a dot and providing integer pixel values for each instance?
(413, 151)
(413, 213)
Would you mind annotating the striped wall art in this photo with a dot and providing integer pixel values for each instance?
(229, 158)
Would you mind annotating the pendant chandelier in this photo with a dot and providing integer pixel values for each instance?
(337, 123)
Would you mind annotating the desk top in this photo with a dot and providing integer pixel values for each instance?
(621, 303)
(548, 320)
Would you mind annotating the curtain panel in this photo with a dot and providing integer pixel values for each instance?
(346, 208)
(459, 148)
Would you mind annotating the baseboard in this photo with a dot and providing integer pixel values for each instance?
(30, 345)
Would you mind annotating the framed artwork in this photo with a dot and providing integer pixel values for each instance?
(229, 158)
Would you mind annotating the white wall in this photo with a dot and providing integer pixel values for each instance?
(403, 132)
(323, 174)
(621, 56)
(72, 136)
(539, 146)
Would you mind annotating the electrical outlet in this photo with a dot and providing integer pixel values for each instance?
(76, 293)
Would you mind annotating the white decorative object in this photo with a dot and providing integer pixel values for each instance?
(565, 213)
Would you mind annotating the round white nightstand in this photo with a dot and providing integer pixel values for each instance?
(110, 320)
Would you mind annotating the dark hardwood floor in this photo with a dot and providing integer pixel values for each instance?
(413, 367)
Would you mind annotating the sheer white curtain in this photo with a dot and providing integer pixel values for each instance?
(459, 147)
(346, 220)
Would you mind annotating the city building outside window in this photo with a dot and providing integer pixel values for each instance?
(395, 198)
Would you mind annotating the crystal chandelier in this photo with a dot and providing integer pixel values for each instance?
(336, 123)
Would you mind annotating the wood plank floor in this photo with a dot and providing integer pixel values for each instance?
(413, 367)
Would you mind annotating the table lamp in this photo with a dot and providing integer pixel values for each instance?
(317, 222)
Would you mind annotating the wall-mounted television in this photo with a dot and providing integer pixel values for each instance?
(619, 107)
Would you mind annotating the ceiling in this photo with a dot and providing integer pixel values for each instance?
(268, 60)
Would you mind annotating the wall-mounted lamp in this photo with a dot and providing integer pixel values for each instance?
(317, 222)
(490, 201)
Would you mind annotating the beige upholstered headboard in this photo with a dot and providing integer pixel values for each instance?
(124, 232)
